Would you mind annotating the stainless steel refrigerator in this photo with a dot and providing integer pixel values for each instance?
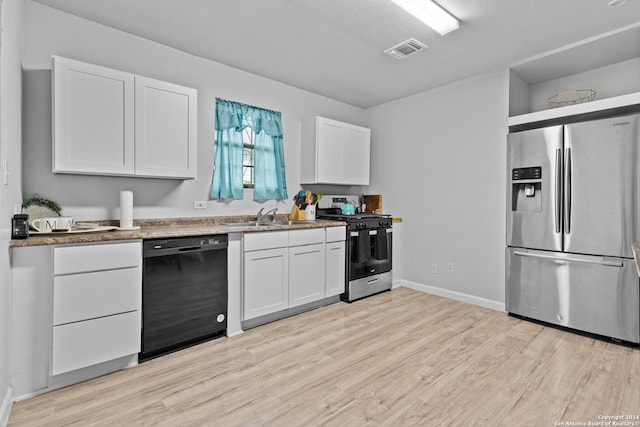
(572, 214)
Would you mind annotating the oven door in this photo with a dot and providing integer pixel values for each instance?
(369, 252)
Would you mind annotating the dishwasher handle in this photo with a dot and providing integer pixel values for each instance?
(190, 249)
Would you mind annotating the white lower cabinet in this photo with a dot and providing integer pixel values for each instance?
(336, 261)
(76, 313)
(306, 274)
(287, 269)
(97, 299)
(266, 282)
(335, 268)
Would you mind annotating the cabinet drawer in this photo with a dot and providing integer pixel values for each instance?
(89, 295)
(80, 259)
(81, 344)
(306, 237)
(336, 234)
(266, 240)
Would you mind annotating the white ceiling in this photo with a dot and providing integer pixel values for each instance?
(335, 47)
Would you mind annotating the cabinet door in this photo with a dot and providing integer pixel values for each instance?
(330, 161)
(356, 152)
(306, 274)
(92, 119)
(335, 276)
(266, 282)
(165, 129)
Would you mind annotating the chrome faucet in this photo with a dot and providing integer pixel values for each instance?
(272, 212)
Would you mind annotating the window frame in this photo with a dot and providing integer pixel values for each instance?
(248, 145)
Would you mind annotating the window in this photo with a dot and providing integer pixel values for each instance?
(248, 153)
(248, 157)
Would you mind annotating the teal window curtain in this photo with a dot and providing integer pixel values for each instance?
(270, 178)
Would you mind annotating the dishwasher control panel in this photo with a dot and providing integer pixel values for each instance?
(213, 241)
(157, 247)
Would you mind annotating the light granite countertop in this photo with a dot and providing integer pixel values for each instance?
(166, 228)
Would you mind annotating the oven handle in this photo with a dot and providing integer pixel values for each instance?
(372, 232)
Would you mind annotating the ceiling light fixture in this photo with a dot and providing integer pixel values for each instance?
(431, 14)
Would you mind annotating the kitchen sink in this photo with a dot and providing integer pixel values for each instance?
(263, 223)
(289, 222)
(249, 224)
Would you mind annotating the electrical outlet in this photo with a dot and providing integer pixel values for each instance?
(434, 268)
(450, 267)
(199, 205)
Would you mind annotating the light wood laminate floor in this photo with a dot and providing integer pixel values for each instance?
(399, 358)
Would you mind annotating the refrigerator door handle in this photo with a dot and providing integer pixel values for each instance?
(567, 191)
(579, 260)
(558, 199)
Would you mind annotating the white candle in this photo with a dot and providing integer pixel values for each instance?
(126, 209)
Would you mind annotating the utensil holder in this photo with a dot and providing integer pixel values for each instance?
(310, 213)
(296, 214)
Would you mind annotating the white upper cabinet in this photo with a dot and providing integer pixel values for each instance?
(165, 129)
(108, 122)
(93, 119)
(334, 152)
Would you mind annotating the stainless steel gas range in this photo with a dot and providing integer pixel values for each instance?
(369, 251)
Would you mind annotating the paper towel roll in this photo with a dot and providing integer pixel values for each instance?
(126, 209)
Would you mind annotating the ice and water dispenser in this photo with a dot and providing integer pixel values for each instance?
(526, 187)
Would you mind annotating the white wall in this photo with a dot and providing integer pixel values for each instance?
(439, 159)
(49, 31)
(11, 42)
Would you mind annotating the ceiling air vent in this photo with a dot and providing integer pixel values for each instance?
(405, 49)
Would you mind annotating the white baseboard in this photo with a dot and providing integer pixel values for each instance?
(80, 375)
(5, 408)
(234, 333)
(457, 296)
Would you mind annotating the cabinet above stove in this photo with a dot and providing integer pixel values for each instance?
(334, 152)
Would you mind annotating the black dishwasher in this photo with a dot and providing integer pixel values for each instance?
(184, 292)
